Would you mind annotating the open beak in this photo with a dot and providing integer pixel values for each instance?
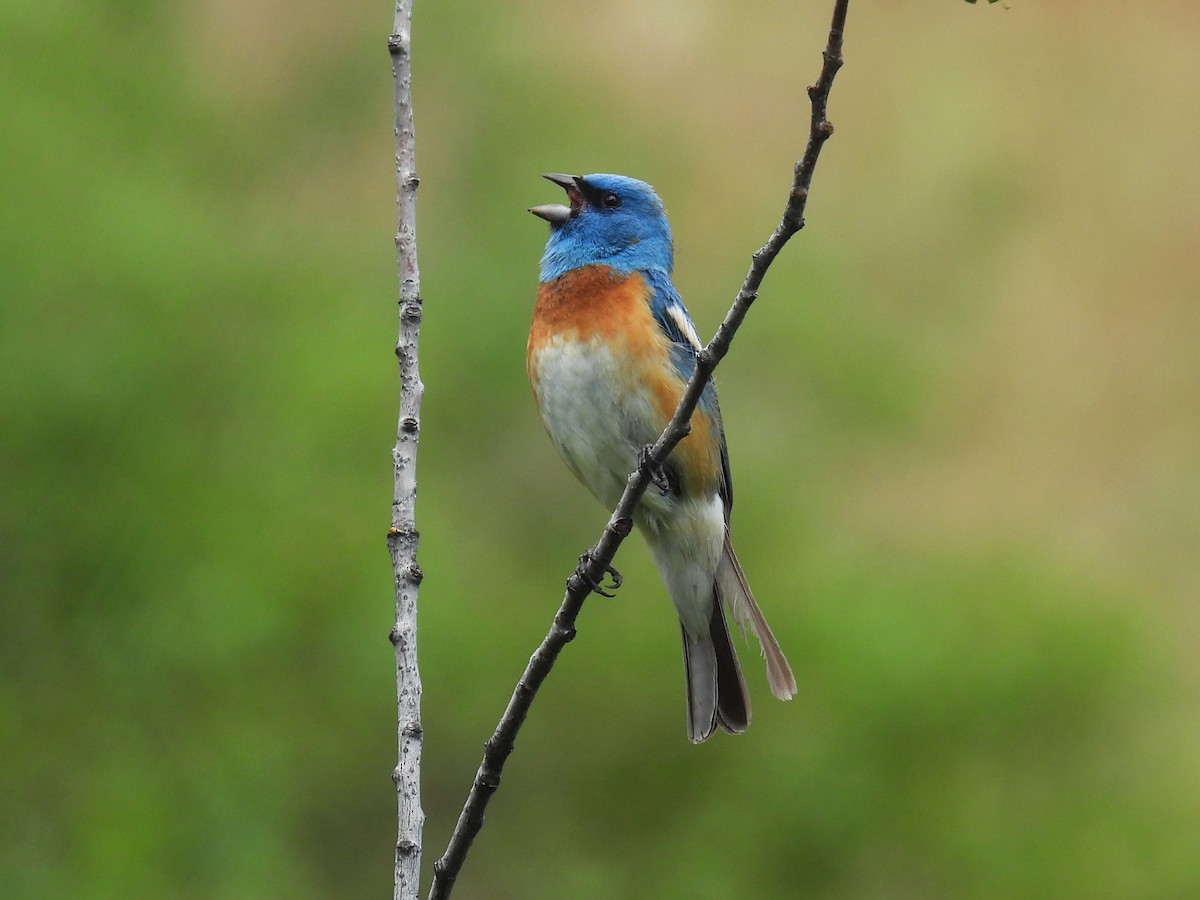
(557, 213)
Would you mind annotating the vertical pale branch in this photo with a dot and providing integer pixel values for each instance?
(402, 535)
(594, 564)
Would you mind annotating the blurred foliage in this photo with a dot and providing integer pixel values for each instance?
(963, 421)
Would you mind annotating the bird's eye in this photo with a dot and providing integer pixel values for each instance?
(610, 201)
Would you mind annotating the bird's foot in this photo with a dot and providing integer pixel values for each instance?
(604, 590)
(658, 474)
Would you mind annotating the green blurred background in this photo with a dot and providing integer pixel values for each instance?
(964, 421)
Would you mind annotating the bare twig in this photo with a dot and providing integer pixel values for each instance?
(593, 565)
(402, 535)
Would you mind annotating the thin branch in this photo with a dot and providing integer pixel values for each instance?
(594, 564)
(402, 535)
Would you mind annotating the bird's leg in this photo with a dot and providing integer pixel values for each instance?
(659, 476)
(598, 587)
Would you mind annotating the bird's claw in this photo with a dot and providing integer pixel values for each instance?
(599, 587)
(658, 474)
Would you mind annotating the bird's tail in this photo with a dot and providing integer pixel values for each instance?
(733, 589)
(716, 692)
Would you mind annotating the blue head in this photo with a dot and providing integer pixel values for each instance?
(612, 220)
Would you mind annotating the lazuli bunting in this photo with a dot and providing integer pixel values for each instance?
(610, 351)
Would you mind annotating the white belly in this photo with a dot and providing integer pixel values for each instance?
(598, 413)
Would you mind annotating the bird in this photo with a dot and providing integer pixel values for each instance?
(611, 348)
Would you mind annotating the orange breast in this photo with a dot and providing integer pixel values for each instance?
(590, 302)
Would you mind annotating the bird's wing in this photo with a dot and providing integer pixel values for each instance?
(670, 313)
(672, 317)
